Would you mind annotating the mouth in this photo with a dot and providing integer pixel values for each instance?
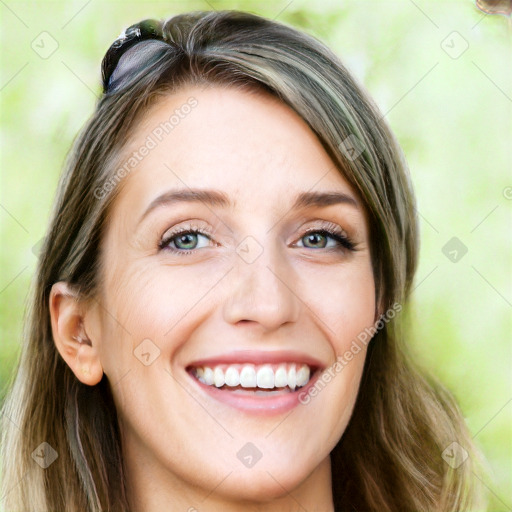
(256, 385)
(252, 378)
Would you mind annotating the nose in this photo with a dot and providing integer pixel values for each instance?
(262, 291)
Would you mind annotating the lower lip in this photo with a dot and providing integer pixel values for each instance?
(257, 404)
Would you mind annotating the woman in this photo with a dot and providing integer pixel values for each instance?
(249, 368)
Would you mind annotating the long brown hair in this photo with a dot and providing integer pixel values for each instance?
(390, 456)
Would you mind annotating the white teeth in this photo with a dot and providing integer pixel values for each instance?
(218, 377)
(248, 376)
(265, 377)
(281, 377)
(208, 376)
(232, 377)
(292, 378)
(302, 375)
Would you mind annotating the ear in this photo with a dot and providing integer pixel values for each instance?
(80, 353)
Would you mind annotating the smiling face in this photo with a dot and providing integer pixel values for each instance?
(270, 289)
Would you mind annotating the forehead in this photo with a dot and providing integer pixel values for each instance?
(251, 146)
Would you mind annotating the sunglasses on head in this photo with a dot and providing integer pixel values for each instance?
(122, 58)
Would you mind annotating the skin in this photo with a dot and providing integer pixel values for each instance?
(181, 445)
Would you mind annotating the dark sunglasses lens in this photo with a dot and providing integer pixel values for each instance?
(147, 29)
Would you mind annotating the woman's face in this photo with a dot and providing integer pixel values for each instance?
(253, 299)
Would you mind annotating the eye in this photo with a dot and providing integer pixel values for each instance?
(185, 241)
(318, 238)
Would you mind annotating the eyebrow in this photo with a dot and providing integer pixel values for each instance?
(220, 199)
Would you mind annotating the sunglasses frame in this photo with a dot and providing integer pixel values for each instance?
(141, 31)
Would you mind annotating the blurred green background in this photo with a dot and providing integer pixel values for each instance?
(441, 73)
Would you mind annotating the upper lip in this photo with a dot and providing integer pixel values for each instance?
(258, 357)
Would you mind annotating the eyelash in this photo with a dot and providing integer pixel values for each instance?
(328, 229)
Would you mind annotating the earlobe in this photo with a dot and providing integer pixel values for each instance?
(78, 351)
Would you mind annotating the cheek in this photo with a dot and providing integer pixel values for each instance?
(146, 310)
(343, 301)
(347, 308)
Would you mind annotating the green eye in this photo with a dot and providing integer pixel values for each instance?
(185, 241)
